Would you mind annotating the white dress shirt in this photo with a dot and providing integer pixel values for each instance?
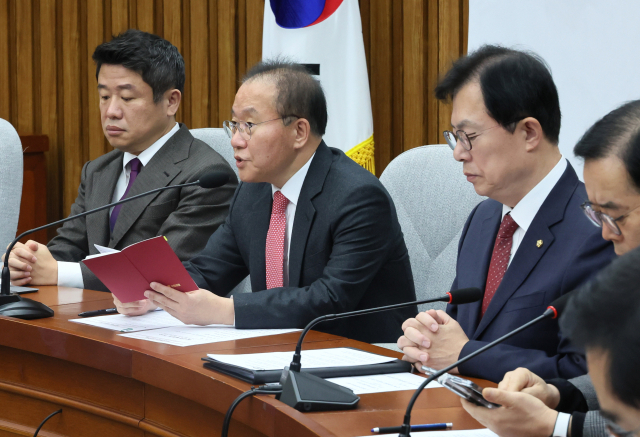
(69, 273)
(291, 190)
(525, 211)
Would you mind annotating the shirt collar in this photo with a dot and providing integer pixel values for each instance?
(291, 189)
(525, 211)
(146, 155)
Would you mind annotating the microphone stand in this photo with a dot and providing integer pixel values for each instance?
(406, 426)
(30, 309)
(306, 392)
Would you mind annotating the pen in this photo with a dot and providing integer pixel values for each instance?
(98, 312)
(425, 427)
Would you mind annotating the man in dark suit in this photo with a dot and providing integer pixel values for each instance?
(140, 82)
(526, 245)
(316, 232)
(611, 153)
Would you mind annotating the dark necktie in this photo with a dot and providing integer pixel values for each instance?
(274, 253)
(135, 165)
(499, 259)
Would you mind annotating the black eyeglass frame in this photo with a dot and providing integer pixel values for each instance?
(465, 138)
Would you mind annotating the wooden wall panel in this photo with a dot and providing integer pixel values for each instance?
(47, 77)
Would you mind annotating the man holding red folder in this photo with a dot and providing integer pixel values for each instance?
(317, 233)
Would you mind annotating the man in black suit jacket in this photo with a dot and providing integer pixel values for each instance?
(140, 80)
(344, 248)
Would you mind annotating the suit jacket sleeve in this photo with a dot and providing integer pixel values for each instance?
(220, 266)
(71, 243)
(361, 242)
(452, 310)
(569, 362)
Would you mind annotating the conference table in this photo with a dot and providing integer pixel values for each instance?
(109, 385)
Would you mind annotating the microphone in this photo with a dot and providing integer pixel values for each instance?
(553, 311)
(13, 305)
(306, 392)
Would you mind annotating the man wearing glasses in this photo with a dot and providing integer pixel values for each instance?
(611, 150)
(317, 233)
(526, 245)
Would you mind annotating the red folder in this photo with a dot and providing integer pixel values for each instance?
(128, 273)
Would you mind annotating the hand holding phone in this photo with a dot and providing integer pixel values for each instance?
(462, 387)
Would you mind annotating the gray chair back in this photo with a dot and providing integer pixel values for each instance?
(433, 200)
(11, 169)
(219, 141)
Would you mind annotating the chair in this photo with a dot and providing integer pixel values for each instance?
(11, 169)
(433, 201)
(219, 141)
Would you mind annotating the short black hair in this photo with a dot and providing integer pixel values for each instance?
(299, 93)
(515, 84)
(155, 59)
(604, 315)
(617, 133)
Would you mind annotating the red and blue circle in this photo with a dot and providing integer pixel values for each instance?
(295, 14)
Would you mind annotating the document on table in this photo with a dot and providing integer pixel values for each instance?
(122, 323)
(191, 335)
(383, 383)
(319, 358)
(454, 433)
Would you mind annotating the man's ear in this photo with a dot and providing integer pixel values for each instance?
(302, 132)
(173, 99)
(531, 131)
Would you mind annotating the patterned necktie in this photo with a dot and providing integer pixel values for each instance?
(274, 253)
(135, 166)
(499, 259)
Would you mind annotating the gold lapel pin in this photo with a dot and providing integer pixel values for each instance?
(539, 244)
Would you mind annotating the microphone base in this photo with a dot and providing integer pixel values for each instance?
(18, 307)
(306, 392)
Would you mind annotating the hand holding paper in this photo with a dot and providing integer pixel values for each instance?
(199, 307)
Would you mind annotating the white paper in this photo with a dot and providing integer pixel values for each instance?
(311, 359)
(383, 383)
(190, 335)
(102, 249)
(454, 433)
(122, 323)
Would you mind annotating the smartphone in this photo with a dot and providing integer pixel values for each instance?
(22, 290)
(462, 387)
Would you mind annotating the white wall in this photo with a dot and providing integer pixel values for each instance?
(592, 47)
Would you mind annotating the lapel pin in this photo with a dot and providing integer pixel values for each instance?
(539, 244)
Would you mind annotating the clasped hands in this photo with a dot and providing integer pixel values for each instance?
(32, 264)
(198, 307)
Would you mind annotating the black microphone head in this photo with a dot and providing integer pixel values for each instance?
(465, 295)
(558, 305)
(213, 179)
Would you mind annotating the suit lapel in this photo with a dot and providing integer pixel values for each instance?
(159, 172)
(490, 226)
(528, 254)
(305, 211)
(104, 184)
(260, 218)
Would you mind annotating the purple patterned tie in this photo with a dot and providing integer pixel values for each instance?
(135, 165)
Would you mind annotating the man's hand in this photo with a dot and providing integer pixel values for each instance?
(433, 339)
(524, 380)
(33, 264)
(521, 415)
(199, 307)
(136, 308)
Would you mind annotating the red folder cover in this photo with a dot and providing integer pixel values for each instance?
(128, 273)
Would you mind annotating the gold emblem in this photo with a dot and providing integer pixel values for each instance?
(539, 244)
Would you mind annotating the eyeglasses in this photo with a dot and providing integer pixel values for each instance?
(463, 137)
(598, 217)
(244, 127)
(614, 430)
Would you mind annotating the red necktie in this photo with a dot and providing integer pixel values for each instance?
(274, 254)
(499, 259)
